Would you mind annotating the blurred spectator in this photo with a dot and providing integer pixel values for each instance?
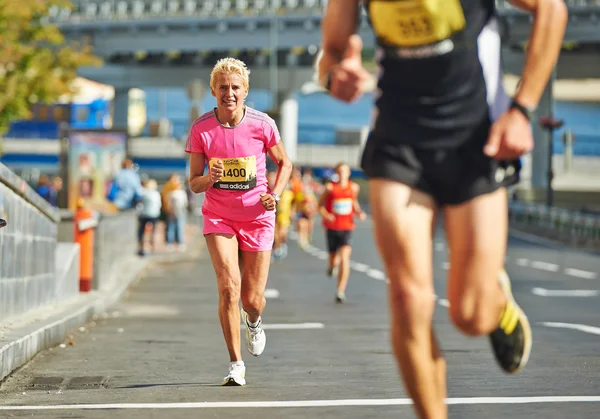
(54, 190)
(176, 216)
(166, 190)
(190, 196)
(150, 206)
(43, 186)
(128, 186)
(168, 187)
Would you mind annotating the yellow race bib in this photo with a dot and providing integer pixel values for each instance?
(412, 23)
(239, 173)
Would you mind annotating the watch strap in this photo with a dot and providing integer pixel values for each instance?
(527, 112)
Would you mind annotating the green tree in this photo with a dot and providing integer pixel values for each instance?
(36, 64)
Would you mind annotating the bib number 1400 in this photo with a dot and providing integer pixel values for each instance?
(239, 173)
(235, 172)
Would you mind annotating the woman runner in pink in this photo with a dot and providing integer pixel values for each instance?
(239, 208)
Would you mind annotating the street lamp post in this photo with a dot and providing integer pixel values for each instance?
(551, 124)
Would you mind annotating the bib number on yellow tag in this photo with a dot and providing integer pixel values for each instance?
(239, 173)
(412, 23)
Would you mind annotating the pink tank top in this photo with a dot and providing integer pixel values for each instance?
(243, 149)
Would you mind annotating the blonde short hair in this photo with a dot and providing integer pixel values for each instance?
(227, 66)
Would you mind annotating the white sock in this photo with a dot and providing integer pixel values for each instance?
(253, 324)
(236, 364)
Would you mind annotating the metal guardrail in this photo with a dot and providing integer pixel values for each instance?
(119, 10)
(506, 5)
(557, 222)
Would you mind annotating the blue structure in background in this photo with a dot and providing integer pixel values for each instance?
(177, 106)
(319, 116)
(46, 119)
(34, 129)
(94, 115)
(583, 119)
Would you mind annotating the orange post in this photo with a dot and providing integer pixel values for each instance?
(84, 227)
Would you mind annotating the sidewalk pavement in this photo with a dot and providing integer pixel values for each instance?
(22, 338)
(192, 231)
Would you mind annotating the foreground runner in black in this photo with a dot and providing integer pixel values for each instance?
(445, 137)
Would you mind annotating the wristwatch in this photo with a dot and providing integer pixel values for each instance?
(528, 113)
(275, 197)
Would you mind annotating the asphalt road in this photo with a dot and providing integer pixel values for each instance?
(159, 352)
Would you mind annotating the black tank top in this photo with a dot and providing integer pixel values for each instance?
(431, 87)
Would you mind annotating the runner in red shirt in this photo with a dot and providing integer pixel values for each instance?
(338, 205)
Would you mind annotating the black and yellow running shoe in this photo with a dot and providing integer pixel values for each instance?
(511, 341)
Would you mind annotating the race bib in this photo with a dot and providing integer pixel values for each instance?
(411, 23)
(342, 206)
(239, 173)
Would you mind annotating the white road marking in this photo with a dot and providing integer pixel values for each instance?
(312, 249)
(290, 326)
(574, 326)
(443, 302)
(151, 310)
(308, 403)
(564, 293)
(376, 274)
(446, 266)
(357, 266)
(580, 274)
(271, 293)
(522, 262)
(322, 255)
(545, 266)
(439, 246)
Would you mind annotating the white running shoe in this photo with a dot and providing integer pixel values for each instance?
(236, 376)
(255, 336)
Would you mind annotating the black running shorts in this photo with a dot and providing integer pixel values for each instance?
(452, 176)
(337, 239)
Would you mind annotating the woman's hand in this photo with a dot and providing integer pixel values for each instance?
(268, 201)
(216, 171)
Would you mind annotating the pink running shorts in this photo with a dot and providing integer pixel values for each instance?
(252, 236)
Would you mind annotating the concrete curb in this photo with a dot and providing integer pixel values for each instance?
(50, 326)
(531, 237)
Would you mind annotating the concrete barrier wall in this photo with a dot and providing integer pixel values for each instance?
(115, 239)
(27, 248)
(67, 269)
